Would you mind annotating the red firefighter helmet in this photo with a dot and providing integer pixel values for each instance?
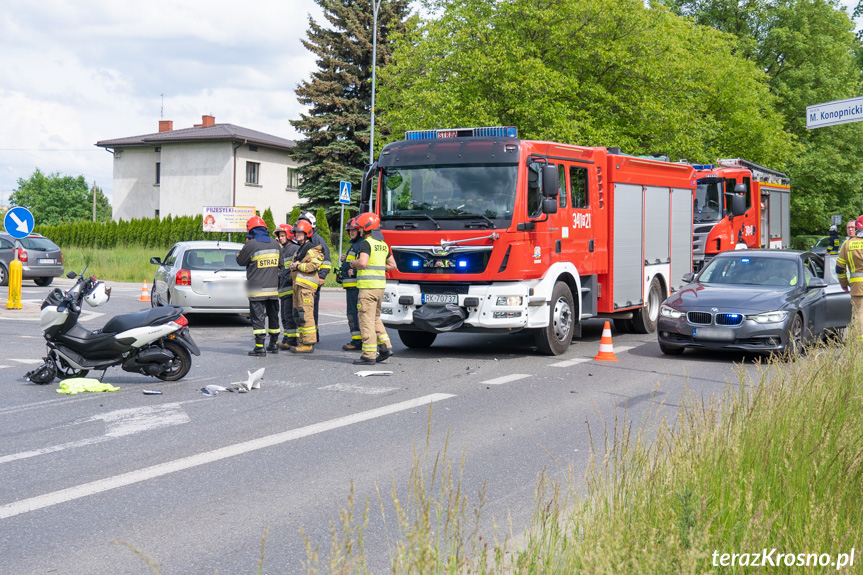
(352, 224)
(254, 222)
(283, 229)
(305, 227)
(859, 224)
(366, 222)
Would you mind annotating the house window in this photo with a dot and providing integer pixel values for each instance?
(293, 178)
(158, 173)
(252, 170)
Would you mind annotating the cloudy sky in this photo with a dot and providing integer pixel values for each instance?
(73, 73)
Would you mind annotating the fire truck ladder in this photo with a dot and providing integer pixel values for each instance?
(759, 173)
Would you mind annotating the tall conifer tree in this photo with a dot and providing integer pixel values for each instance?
(336, 127)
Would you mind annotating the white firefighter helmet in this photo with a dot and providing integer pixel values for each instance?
(309, 217)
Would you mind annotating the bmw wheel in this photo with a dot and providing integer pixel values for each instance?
(795, 337)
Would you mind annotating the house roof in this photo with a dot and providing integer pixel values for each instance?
(214, 133)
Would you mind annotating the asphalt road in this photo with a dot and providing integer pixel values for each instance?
(193, 482)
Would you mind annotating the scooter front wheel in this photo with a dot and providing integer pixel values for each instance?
(66, 371)
(179, 366)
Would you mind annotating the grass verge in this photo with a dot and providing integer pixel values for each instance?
(777, 463)
(126, 263)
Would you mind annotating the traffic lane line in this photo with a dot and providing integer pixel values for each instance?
(152, 472)
(506, 378)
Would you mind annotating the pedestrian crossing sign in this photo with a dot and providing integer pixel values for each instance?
(344, 192)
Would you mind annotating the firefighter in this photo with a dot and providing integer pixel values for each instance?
(373, 261)
(849, 268)
(285, 235)
(304, 270)
(850, 231)
(835, 242)
(326, 265)
(260, 255)
(348, 277)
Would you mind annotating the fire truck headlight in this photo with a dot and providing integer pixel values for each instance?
(513, 300)
(671, 312)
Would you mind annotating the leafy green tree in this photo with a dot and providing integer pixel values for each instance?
(268, 219)
(588, 72)
(323, 226)
(54, 199)
(811, 55)
(338, 94)
(104, 211)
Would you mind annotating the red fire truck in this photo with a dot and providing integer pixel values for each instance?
(738, 202)
(495, 234)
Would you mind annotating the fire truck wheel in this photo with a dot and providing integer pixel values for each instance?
(555, 338)
(417, 339)
(644, 320)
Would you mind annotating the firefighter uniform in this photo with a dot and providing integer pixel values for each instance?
(371, 282)
(290, 333)
(262, 263)
(849, 268)
(305, 277)
(352, 292)
(323, 272)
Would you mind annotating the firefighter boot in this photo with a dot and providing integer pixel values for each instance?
(384, 353)
(258, 350)
(274, 344)
(304, 348)
(287, 343)
(353, 345)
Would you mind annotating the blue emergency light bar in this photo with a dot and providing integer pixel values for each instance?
(702, 167)
(489, 132)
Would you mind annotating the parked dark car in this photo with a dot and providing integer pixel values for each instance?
(755, 300)
(201, 276)
(41, 259)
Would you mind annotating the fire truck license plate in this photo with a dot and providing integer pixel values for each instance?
(713, 333)
(440, 298)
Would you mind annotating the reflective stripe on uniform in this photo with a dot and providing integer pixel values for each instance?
(383, 338)
(286, 293)
(259, 331)
(264, 293)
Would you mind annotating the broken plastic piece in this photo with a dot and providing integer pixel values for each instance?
(368, 373)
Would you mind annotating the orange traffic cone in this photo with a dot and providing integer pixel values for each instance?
(606, 349)
(145, 293)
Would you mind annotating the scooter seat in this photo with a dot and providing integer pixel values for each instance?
(152, 316)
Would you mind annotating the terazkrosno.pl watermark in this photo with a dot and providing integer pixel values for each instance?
(773, 558)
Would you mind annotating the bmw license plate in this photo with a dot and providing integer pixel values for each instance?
(440, 298)
(46, 261)
(713, 333)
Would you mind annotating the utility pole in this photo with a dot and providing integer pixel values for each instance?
(376, 6)
(94, 200)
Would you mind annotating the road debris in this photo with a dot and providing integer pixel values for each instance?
(368, 373)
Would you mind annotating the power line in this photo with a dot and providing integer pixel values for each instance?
(45, 150)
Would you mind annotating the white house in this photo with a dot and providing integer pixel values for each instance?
(178, 172)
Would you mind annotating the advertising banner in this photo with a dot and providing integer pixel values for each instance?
(227, 218)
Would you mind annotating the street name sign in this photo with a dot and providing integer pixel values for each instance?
(832, 113)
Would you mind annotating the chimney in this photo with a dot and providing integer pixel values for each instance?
(207, 121)
(166, 125)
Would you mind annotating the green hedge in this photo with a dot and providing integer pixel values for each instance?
(804, 242)
(145, 232)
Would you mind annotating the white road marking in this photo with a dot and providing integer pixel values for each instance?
(622, 348)
(333, 322)
(139, 475)
(570, 362)
(506, 378)
(119, 423)
(27, 360)
(2, 366)
(358, 388)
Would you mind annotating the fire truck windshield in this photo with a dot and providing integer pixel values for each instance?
(708, 202)
(484, 191)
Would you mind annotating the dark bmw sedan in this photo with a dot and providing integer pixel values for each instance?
(755, 300)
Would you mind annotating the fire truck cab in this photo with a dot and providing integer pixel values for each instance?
(495, 234)
(739, 204)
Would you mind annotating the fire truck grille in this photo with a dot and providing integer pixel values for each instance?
(729, 318)
(444, 288)
(700, 317)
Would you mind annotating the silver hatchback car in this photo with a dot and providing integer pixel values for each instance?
(201, 276)
(40, 258)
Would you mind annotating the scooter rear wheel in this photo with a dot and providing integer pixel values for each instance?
(179, 366)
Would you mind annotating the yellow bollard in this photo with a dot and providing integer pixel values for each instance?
(15, 270)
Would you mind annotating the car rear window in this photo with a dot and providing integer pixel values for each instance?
(211, 259)
(42, 244)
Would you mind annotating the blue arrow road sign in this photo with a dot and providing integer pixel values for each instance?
(19, 222)
(344, 192)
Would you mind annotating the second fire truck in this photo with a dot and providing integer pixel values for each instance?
(739, 204)
(496, 234)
